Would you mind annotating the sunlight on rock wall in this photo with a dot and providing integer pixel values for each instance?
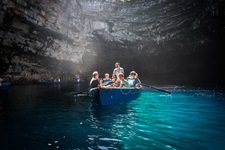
(164, 37)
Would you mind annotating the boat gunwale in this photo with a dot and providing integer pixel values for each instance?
(121, 88)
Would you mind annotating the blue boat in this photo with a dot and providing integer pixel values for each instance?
(4, 87)
(111, 96)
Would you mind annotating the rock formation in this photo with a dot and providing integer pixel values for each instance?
(165, 41)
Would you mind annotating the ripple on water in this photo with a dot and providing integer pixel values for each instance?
(190, 118)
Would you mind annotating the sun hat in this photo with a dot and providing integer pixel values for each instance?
(132, 72)
(121, 74)
(95, 72)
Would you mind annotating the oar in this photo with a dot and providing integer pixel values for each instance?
(106, 83)
(149, 86)
(81, 91)
(89, 89)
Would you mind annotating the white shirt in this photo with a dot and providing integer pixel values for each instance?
(118, 71)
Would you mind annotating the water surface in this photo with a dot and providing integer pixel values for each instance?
(47, 117)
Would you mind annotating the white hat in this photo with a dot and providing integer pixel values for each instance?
(95, 72)
(132, 72)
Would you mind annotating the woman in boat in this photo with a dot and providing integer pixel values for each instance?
(136, 76)
(123, 82)
(95, 82)
(133, 80)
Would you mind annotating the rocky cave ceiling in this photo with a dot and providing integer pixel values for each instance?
(82, 31)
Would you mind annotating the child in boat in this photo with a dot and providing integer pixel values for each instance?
(133, 80)
(106, 79)
(114, 82)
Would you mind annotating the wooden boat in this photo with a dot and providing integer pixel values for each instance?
(50, 82)
(4, 87)
(110, 96)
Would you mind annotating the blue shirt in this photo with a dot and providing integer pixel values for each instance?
(106, 80)
(117, 71)
(132, 81)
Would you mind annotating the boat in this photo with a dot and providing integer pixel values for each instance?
(111, 96)
(4, 87)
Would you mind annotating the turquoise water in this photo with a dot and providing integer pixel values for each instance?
(46, 117)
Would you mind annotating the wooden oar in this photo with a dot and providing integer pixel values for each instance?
(106, 83)
(149, 86)
(82, 91)
(89, 89)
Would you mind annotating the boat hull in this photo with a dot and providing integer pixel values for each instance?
(111, 96)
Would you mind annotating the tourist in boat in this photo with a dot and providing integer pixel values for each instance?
(132, 80)
(123, 82)
(95, 82)
(136, 76)
(106, 79)
(114, 82)
(118, 70)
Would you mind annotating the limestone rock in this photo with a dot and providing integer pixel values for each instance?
(162, 36)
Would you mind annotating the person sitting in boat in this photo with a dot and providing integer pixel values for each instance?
(132, 80)
(118, 70)
(123, 82)
(136, 76)
(106, 79)
(95, 82)
(114, 82)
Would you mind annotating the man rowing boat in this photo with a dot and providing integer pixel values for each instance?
(95, 80)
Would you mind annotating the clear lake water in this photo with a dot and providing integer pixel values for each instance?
(48, 117)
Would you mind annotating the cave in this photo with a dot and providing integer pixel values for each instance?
(165, 41)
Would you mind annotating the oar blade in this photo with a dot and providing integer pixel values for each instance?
(84, 91)
(77, 93)
(149, 86)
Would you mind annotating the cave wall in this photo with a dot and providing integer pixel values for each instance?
(165, 41)
(34, 31)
